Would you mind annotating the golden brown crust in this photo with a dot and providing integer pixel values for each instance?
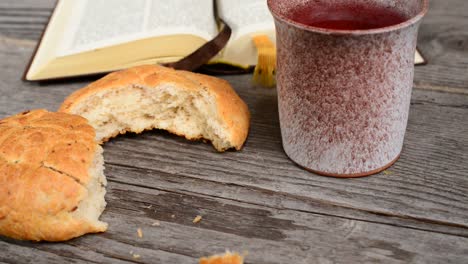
(143, 75)
(232, 109)
(44, 161)
(227, 258)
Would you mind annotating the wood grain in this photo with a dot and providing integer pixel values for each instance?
(270, 235)
(24, 19)
(443, 39)
(256, 199)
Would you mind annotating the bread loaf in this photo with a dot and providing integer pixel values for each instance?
(188, 104)
(51, 177)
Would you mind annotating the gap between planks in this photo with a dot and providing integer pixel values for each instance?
(444, 89)
(17, 41)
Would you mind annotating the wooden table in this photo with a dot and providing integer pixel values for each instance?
(257, 200)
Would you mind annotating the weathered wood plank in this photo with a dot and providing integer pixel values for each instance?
(175, 182)
(23, 252)
(31, 4)
(443, 39)
(270, 235)
(24, 19)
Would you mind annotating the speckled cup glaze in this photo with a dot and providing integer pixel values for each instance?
(344, 95)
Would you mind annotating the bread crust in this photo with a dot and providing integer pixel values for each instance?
(227, 258)
(230, 107)
(44, 165)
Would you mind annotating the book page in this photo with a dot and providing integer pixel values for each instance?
(101, 23)
(418, 58)
(246, 18)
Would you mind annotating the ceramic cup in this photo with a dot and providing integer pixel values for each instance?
(344, 95)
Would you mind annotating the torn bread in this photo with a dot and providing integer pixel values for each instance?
(226, 258)
(51, 177)
(184, 103)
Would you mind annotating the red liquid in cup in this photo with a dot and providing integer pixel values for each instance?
(346, 16)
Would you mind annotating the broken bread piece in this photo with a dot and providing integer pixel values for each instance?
(226, 258)
(51, 177)
(145, 97)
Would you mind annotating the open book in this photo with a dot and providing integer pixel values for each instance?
(98, 36)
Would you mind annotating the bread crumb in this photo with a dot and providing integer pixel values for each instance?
(197, 219)
(140, 233)
(386, 172)
(136, 256)
(156, 223)
(227, 258)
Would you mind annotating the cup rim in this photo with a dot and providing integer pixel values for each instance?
(327, 31)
